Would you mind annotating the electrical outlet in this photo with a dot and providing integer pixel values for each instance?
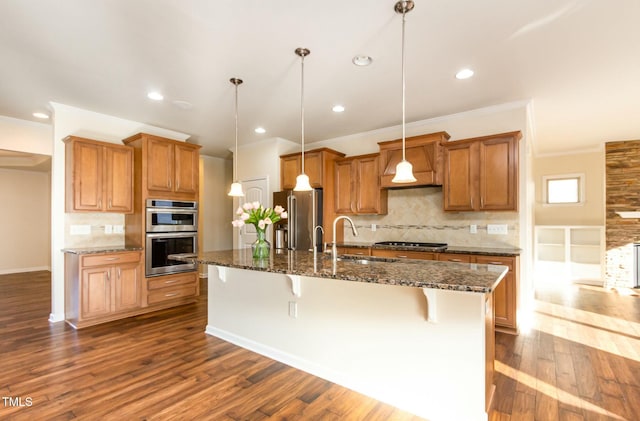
(80, 230)
(473, 229)
(108, 229)
(374, 227)
(118, 229)
(293, 309)
(500, 229)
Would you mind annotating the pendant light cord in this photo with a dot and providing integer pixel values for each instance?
(302, 110)
(403, 90)
(235, 155)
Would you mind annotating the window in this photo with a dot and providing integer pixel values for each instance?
(567, 189)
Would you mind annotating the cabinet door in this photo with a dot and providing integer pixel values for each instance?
(313, 168)
(460, 177)
(187, 168)
(369, 198)
(404, 254)
(160, 166)
(343, 186)
(119, 179)
(127, 287)
(289, 170)
(504, 296)
(87, 176)
(498, 174)
(96, 292)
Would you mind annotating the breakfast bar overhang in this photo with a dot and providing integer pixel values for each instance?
(414, 334)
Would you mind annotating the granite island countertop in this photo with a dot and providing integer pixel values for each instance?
(402, 272)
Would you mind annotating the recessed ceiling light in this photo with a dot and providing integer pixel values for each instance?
(260, 130)
(156, 96)
(464, 74)
(361, 60)
(41, 115)
(338, 108)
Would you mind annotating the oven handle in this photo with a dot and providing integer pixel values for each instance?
(172, 234)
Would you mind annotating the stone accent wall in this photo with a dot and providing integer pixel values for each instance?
(623, 194)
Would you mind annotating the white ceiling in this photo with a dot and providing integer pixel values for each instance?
(577, 60)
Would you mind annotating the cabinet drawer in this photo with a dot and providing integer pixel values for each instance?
(171, 281)
(404, 254)
(167, 294)
(496, 260)
(358, 251)
(453, 257)
(110, 259)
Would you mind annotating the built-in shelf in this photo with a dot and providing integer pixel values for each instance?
(569, 253)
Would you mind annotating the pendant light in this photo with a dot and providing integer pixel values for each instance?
(302, 181)
(404, 169)
(236, 187)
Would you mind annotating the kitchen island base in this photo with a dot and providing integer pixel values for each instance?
(371, 338)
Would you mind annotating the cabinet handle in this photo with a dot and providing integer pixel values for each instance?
(169, 183)
(100, 203)
(110, 204)
(482, 202)
(495, 263)
(472, 203)
(171, 281)
(108, 275)
(171, 294)
(455, 260)
(110, 259)
(401, 255)
(119, 273)
(359, 253)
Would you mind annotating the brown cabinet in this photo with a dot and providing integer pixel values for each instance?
(318, 165)
(357, 251)
(506, 294)
(357, 186)
(172, 289)
(423, 152)
(456, 258)
(404, 254)
(481, 174)
(102, 287)
(169, 169)
(98, 176)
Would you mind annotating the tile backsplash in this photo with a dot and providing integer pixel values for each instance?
(415, 214)
(97, 236)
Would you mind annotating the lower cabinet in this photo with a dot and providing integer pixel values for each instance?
(102, 287)
(404, 254)
(171, 290)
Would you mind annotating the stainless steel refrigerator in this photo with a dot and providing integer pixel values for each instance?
(304, 210)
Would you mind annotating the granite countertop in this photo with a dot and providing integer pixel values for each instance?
(403, 272)
(492, 251)
(99, 250)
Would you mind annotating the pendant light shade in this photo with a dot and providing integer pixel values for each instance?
(404, 169)
(236, 187)
(302, 181)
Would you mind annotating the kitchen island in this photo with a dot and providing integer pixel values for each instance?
(415, 334)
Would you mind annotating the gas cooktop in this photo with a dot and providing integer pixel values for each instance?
(430, 246)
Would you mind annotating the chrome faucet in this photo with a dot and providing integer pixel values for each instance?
(315, 245)
(334, 248)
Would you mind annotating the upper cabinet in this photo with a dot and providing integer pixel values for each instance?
(424, 152)
(169, 169)
(481, 174)
(98, 176)
(357, 186)
(318, 164)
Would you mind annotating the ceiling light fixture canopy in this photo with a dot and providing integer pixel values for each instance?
(302, 181)
(404, 169)
(236, 187)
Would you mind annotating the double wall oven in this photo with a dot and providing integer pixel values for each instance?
(171, 228)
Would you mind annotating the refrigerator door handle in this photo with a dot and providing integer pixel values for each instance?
(291, 222)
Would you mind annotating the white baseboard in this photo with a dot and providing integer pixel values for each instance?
(22, 270)
(56, 317)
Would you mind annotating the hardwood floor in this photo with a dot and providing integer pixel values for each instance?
(580, 360)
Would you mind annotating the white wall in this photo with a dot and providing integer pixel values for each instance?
(216, 212)
(25, 228)
(25, 136)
